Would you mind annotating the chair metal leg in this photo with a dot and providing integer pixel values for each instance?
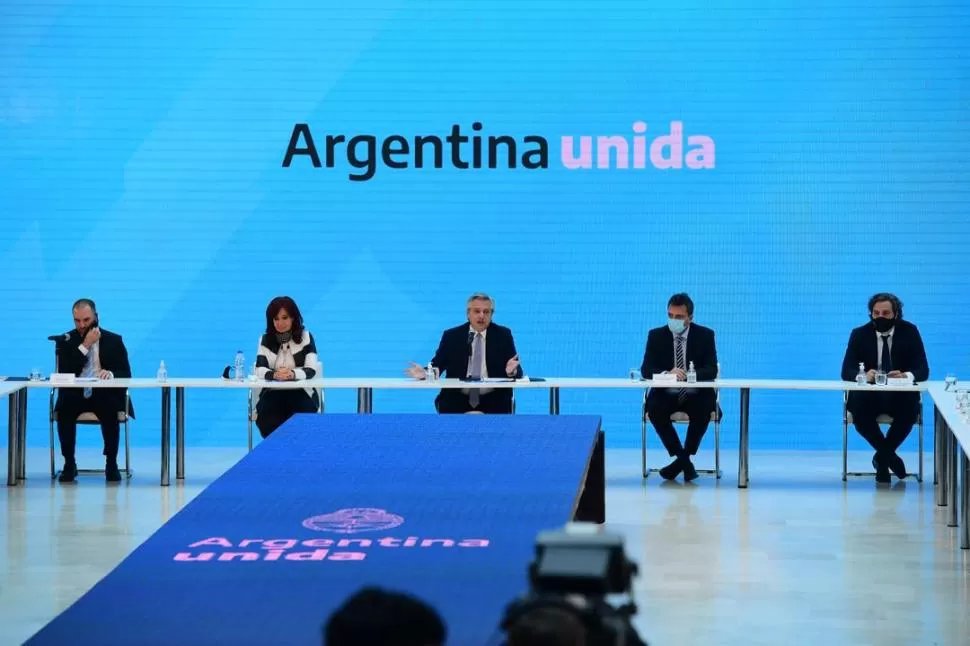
(845, 448)
(53, 470)
(716, 471)
(643, 445)
(717, 448)
(127, 450)
(919, 468)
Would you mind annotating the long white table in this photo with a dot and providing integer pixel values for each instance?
(952, 445)
(366, 386)
(951, 432)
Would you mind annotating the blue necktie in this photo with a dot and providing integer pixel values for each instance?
(887, 357)
(89, 371)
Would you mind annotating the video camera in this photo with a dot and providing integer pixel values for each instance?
(574, 570)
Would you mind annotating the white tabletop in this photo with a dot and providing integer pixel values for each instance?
(10, 387)
(406, 383)
(813, 384)
(946, 403)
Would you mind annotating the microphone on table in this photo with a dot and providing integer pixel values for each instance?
(59, 337)
(471, 337)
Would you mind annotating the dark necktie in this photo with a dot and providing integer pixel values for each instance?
(681, 359)
(887, 357)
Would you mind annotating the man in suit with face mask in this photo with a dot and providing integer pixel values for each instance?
(671, 349)
(89, 351)
(888, 344)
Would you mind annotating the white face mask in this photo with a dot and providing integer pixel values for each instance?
(677, 326)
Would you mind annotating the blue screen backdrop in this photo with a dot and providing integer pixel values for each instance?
(141, 150)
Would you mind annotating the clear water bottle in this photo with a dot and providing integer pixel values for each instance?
(950, 381)
(861, 378)
(429, 372)
(691, 374)
(162, 375)
(240, 366)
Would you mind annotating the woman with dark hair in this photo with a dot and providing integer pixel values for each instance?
(286, 353)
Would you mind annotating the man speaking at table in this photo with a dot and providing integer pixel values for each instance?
(477, 350)
(891, 345)
(671, 349)
(90, 352)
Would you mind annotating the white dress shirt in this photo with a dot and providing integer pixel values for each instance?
(481, 360)
(684, 337)
(879, 345)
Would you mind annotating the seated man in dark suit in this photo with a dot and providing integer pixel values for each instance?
(89, 351)
(476, 350)
(905, 357)
(671, 349)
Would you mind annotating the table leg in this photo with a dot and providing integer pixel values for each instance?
(743, 439)
(940, 432)
(965, 501)
(22, 435)
(12, 437)
(180, 433)
(166, 433)
(553, 401)
(591, 507)
(951, 478)
(365, 400)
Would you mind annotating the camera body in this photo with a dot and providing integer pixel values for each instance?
(574, 570)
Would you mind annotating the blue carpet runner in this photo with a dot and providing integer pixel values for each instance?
(444, 507)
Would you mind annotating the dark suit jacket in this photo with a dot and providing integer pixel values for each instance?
(908, 354)
(659, 353)
(454, 350)
(113, 357)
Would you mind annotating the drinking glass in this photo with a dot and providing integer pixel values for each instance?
(880, 378)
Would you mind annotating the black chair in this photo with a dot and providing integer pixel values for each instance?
(681, 418)
(89, 419)
(882, 420)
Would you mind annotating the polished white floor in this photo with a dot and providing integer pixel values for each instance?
(798, 558)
